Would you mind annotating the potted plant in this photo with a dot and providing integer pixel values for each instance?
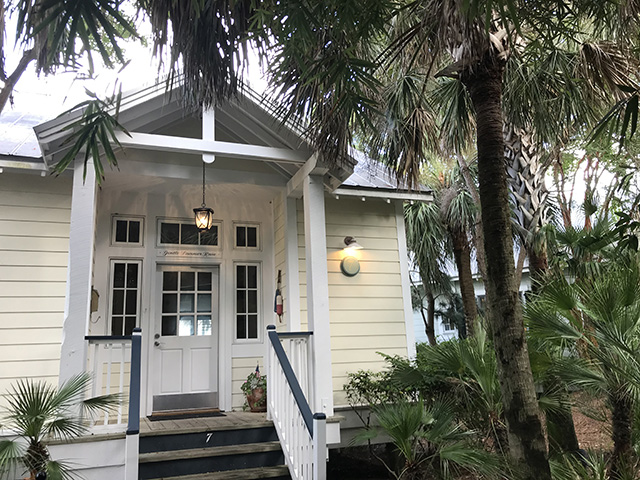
(255, 390)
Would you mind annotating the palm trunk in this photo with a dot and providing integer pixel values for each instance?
(621, 414)
(462, 255)
(527, 446)
(560, 426)
(538, 266)
(429, 319)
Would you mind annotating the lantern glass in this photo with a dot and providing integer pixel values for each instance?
(204, 218)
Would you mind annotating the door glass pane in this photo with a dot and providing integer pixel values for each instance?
(185, 328)
(131, 306)
(170, 303)
(187, 281)
(169, 233)
(129, 325)
(117, 307)
(189, 234)
(169, 326)
(132, 275)
(241, 274)
(204, 302)
(241, 301)
(118, 275)
(253, 301)
(187, 302)
(204, 324)
(170, 281)
(116, 325)
(252, 275)
(204, 281)
(241, 321)
(253, 326)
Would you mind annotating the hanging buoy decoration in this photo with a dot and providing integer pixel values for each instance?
(277, 304)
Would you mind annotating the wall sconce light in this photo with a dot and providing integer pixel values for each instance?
(204, 214)
(350, 266)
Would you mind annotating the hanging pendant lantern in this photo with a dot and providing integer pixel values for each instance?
(204, 214)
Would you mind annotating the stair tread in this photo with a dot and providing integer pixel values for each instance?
(244, 474)
(241, 449)
(177, 427)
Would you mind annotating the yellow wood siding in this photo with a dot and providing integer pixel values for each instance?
(240, 369)
(34, 244)
(367, 311)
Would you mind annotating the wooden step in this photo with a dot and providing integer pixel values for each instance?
(191, 453)
(279, 471)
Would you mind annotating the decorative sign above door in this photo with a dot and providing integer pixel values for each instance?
(186, 253)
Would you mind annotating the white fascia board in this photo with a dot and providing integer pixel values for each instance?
(378, 193)
(23, 165)
(168, 143)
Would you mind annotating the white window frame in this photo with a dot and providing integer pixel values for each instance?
(259, 328)
(127, 218)
(112, 262)
(184, 221)
(257, 226)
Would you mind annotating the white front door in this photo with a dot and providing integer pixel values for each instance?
(185, 359)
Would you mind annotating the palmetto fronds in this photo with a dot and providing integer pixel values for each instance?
(38, 412)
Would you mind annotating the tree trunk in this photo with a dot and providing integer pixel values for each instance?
(560, 427)
(462, 255)
(538, 266)
(10, 83)
(527, 446)
(477, 227)
(621, 413)
(429, 319)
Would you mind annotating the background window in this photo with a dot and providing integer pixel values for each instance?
(186, 233)
(247, 310)
(247, 236)
(125, 285)
(127, 231)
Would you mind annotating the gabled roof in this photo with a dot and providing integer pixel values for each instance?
(247, 119)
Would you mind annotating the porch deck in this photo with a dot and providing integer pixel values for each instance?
(229, 421)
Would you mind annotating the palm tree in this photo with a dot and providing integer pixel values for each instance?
(37, 413)
(597, 321)
(59, 35)
(426, 239)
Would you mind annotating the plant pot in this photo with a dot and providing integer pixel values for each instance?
(257, 401)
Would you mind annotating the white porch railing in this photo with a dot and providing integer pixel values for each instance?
(302, 435)
(115, 365)
(110, 366)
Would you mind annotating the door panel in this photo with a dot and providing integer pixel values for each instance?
(186, 338)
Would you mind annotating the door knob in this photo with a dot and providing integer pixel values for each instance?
(157, 344)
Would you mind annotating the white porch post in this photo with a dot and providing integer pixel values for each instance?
(73, 356)
(291, 258)
(315, 238)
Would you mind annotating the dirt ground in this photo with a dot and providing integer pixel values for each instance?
(589, 417)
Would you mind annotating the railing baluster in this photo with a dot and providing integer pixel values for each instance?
(301, 434)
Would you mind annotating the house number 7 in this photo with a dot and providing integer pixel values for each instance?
(209, 435)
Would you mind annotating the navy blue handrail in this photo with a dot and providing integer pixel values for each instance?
(303, 405)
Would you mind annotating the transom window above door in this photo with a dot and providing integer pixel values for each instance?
(187, 303)
(179, 232)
